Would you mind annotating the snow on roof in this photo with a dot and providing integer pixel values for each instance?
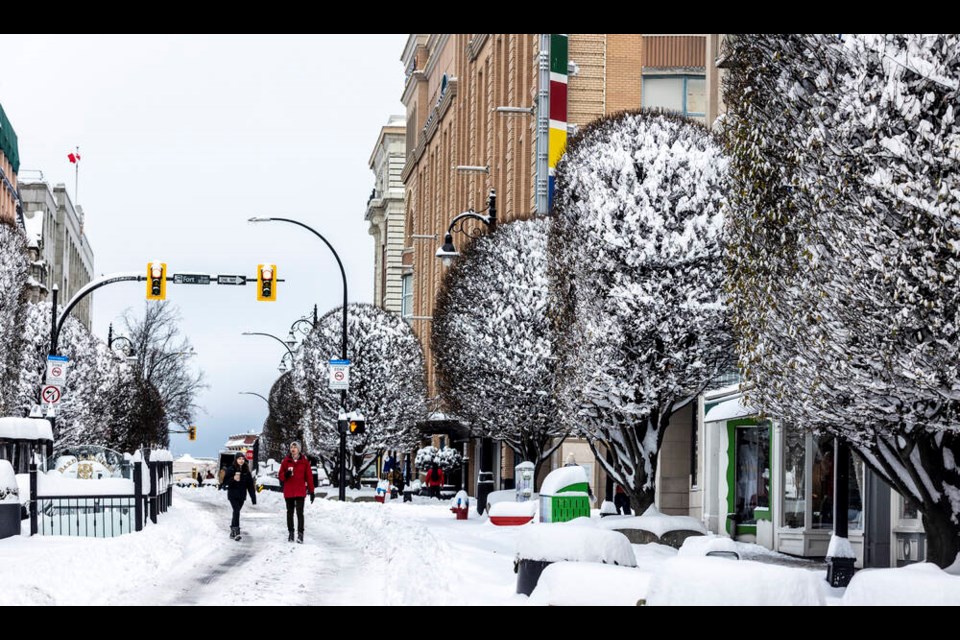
(161, 455)
(555, 542)
(653, 521)
(728, 410)
(561, 478)
(25, 429)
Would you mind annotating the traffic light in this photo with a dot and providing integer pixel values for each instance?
(192, 434)
(358, 426)
(156, 281)
(266, 282)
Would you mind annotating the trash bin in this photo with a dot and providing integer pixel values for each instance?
(408, 495)
(484, 489)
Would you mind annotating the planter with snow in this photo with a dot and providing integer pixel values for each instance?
(540, 546)
(564, 495)
(654, 526)
(507, 514)
(9, 501)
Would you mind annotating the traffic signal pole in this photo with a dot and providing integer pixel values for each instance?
(343, 343)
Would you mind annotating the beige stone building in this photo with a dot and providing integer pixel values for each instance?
(9, 166)
(385, 214)
(459, 146)
(60, 251)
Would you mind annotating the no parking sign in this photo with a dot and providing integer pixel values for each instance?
(339, 374)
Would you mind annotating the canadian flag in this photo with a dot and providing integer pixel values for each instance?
(74, 158)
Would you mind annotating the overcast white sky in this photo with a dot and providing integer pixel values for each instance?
(184, 138)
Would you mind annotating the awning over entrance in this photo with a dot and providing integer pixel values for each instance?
(728, 410)
(444, 424)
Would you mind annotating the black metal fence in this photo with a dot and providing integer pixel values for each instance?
(104, 516)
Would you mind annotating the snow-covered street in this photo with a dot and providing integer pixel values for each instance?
(363, 553)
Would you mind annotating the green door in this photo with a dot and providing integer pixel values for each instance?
(748, 475)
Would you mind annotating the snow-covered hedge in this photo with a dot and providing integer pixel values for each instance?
(493, 340)
(446, 458)
(13, 280)
(636, 264)
(9, 492)
(588, 584)
(556, 542)
(923, 584)
(722, 582)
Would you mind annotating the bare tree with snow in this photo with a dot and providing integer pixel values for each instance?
(845, 249)
(161, 352)
(636, 262)
(386, 385)
(493, 341)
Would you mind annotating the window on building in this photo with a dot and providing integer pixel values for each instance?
(752, 472)
(684, 94)
(406, 309)
(822, 487)
(794, 477)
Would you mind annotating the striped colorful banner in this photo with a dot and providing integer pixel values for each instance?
(559, 58)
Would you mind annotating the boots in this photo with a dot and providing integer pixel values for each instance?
(299, 537)
(234, 532)
(290, 538)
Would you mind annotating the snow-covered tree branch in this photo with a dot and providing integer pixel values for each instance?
(13, 281)
(845, 249)
(386, 384)
(636, 267)
(493, 341)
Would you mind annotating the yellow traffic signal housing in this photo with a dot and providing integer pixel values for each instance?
(156, 281)
(192, 434)
(266, 282)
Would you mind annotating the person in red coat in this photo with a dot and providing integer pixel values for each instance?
(434, 480)
(297, 479)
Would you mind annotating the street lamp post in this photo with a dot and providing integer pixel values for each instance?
(448, 251)
(343, 343)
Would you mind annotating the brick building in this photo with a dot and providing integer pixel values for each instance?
(459, 146)
(9, 166)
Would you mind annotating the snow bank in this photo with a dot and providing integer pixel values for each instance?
(915, 584)
(581, 583)
(699, 546)
(608, 508)
(512, 509)
(25, 429)
(161, 455)
(562, 478)
(54, 484)
(556, 542)
(718, 581)
(9, 491)
(654, 522)
(507, 495)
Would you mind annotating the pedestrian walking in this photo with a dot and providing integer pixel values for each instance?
(238, 481)
(199, 479)
(297, 479)
(434, 480)
(622, 501)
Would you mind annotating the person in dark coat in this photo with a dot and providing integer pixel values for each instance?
(199, 479)
(622, 501)
(297, 478)
(238, 481)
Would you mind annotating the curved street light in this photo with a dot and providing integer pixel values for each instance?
(288, 344)
(448, 251)
(343, 338)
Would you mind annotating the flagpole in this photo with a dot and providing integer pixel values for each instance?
(76, 179)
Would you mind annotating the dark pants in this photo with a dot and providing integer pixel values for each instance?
(434, 491)
(298, 503)
(622, 502)
(237, 505)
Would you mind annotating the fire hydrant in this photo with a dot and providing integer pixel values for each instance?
(460, 505)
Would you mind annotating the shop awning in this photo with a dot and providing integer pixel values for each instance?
(729, 410)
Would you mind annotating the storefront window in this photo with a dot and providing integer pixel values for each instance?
(822, 476)
(794, 477)
(752, 472)
(908, 509)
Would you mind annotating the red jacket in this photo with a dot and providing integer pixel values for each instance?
(435, 479)
(300, 483)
